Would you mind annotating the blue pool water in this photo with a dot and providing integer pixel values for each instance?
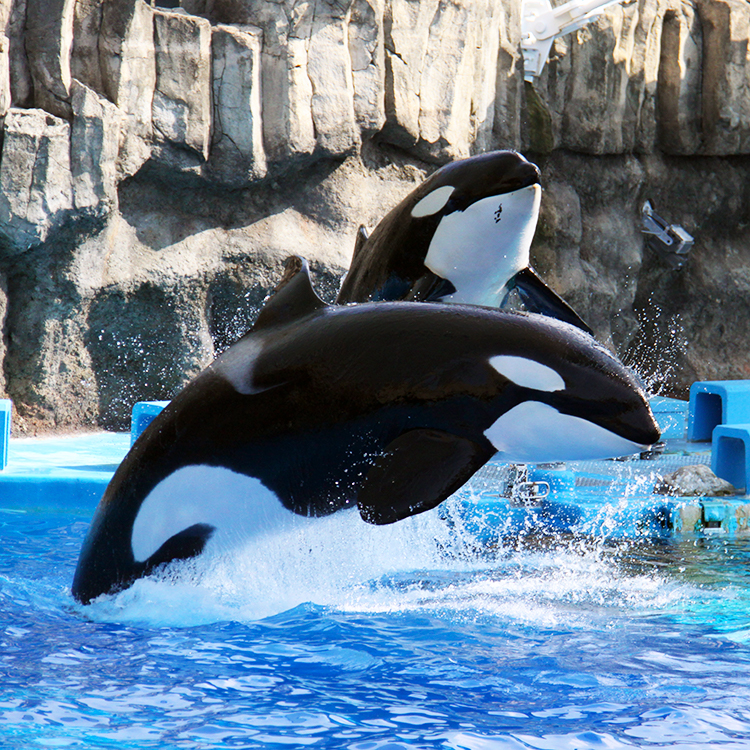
(395, 637)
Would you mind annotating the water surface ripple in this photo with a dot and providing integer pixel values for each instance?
(401, 637)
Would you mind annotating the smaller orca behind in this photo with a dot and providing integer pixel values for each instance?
(390, 407)
(462, 236)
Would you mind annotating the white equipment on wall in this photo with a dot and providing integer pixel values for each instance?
(541, 24)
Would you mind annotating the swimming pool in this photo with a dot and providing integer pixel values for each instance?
(402, 636)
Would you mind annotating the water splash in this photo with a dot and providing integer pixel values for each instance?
(658, 354)
(424, 563)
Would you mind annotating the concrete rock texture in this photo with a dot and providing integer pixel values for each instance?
(693, 481)
(161, 159)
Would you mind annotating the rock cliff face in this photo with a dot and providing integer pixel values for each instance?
(159, 163)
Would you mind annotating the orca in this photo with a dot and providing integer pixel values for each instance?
(462, 236)
(389, 407)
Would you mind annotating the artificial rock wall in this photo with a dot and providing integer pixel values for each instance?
(158, 164)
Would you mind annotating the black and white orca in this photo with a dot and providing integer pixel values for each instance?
(390, 407)
(462, 236)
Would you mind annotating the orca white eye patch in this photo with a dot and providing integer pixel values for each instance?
(433, 202)
(528, 373)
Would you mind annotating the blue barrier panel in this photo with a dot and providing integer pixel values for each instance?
(144, 412)
(6, 409)
(50, 491)
(671, 415)
(69, 471)
(730, 454)
(715, 402)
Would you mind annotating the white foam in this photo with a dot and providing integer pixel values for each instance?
(326, 561)
(350, 566)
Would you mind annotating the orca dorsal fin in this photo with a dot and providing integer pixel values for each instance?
(360, 240)
(293, 297)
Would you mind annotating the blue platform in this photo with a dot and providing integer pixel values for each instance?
(717, 402)
(72, 470)
(671, 415)
(613, 499)
(730, 454)
(6, 408)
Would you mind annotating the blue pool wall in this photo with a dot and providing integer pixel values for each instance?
(6, 409)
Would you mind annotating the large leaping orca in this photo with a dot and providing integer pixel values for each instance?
(387, 406)
(462, 236)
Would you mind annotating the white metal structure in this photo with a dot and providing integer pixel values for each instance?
(541, 24)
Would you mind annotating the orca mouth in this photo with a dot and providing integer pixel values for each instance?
(534, 432)
(630, 419)
(645, 436)
(524, 175)
(508, 173)
(636, 425)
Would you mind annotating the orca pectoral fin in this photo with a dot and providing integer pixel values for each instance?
(416, 472)
(539, 298)
(429, 288)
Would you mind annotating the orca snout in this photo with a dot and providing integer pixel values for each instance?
(639, 425)
(528, 173)
(515, 173)
(492, 173)
(627, 416)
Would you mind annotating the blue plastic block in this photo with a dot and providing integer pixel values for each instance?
(6, 409)
(717, 515)
(730, 454)
(715, 402)
(144, 412)
(671, 415)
